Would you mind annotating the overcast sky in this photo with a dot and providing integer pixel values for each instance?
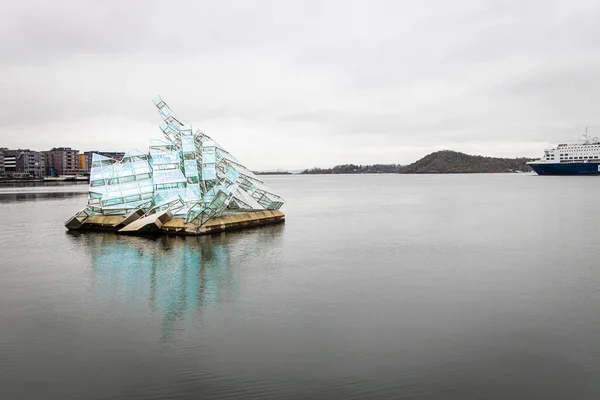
(285, 84)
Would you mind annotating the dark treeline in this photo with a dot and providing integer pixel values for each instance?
(356, 169)
(440, 162)
(448, 162)
(271, 172)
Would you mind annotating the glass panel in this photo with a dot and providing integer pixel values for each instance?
(208, 157)
(208, 173)
(232, 175)
(187, 144)
(127, 179)
(132, 198)
(114, 201)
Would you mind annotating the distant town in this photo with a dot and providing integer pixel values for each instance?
(58, 163)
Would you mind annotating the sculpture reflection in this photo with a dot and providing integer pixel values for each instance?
(176, 277)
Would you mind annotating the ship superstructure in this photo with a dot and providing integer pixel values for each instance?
(577, 158)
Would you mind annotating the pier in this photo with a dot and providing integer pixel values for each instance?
(165, 223)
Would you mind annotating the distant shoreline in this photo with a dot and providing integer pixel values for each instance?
(273, 173)
(416, 173)
(439, 162)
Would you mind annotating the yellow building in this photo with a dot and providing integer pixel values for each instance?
(82, 162)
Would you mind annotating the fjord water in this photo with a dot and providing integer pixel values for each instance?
(377, 286)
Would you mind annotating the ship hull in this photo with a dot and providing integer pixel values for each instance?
(588, 168)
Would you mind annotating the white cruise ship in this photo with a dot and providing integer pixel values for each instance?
(579, 158)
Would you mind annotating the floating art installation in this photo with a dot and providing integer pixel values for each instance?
(185, 182)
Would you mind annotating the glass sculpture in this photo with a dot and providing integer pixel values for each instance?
(187, 173)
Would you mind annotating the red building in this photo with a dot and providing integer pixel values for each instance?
(62, 161)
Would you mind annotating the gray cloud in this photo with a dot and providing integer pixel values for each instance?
(296, 84)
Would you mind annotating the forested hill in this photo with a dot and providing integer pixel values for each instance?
(446, 161)
(440, 162)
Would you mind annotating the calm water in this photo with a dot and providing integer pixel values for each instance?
(379, 286)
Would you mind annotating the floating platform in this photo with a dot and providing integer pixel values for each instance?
(165, 223)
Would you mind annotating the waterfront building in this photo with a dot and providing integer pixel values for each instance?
(21, 163)
(10, 161)
(30, 162)
(83, 168)
(62, 161)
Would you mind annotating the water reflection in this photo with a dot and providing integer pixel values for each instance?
(177, 278)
